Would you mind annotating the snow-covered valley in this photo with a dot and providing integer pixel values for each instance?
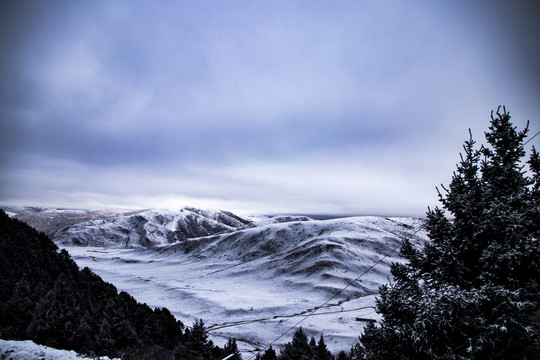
(250, 278)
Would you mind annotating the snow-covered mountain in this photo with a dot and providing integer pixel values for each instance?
(331, 252)
(144, 228)
(49, 220)
(248, 278)
(149, 228)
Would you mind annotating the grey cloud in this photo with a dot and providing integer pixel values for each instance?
(115, 88)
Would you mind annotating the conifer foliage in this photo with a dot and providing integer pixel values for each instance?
(46, 298)
(300, 349)
(231, 348)
(269, 354)
(474, 287)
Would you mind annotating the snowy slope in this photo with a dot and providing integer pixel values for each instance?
(148, 228)
(329, 251)
(139, 228)
(253, 281)
(49, 220)
(27, 350)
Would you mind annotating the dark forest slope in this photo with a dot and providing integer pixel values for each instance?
(46, 298)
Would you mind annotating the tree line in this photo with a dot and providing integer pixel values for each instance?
(44, 297)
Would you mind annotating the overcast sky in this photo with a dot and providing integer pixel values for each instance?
(313, 107)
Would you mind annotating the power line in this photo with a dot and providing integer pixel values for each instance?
(339, 292)
(531, 138)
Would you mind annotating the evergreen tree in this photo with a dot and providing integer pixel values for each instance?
(342, 355)
(478, 277)
(197, 339)
(357, 352)
(232, 348)
(298, 348)
(313, 345)
(321, 351)
(269, 354)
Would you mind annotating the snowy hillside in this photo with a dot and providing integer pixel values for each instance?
(26, 350)
(49, 220)
(251, 279)
(149, 228)
(331, 252)
(126, 229)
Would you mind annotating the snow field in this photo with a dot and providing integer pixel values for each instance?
(256, 283)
